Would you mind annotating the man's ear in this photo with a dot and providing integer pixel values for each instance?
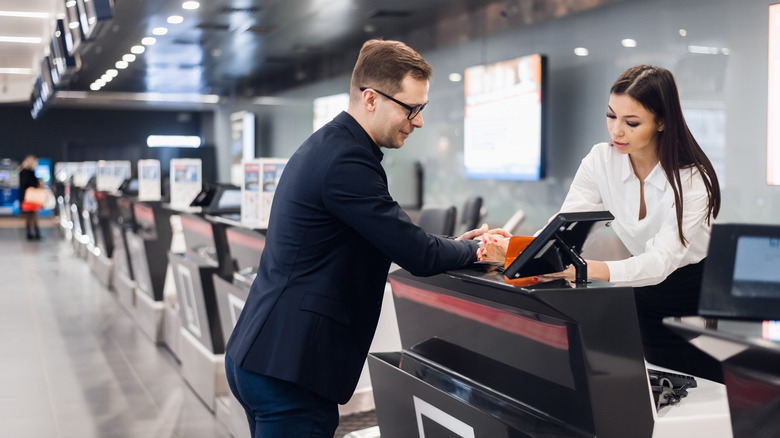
(369, 99)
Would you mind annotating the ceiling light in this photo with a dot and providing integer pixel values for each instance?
(159, 31)
(73, 24)
(25, 40)
(16, 71)
(137, 49)
(121, 64)
(24, 14)
(628, 42)
(95, 87)
(683, 32)
(581, 51)
(149, 41)
(111, 72)
(70, 3)
(128, 58)
(100, 82)
(190, 5)
(106, 78)
(455, 77)
(175, 19)
(186, 141)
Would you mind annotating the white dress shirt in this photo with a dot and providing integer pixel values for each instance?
(606, 181)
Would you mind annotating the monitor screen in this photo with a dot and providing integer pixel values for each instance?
(504, 120)
(229, 199)
(556, 245)
(756, 263)
(741, 277)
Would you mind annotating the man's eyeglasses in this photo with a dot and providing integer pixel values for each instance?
(413, 110)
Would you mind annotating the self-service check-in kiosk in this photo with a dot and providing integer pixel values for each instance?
(245, 246)
(148, 247)
(122, 225)
(101, 250)
(79, 237)
(500, 354)
(740, 323)
(202, 345)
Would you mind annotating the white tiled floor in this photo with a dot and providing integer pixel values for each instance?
(73, 363)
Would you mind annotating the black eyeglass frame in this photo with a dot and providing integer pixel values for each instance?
(413, 110)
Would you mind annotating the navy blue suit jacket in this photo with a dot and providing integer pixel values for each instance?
(333, 231)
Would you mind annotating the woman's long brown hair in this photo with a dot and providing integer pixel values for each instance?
(656, 90)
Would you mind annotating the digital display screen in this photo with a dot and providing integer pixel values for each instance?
(229, 198)
(504, 120)
(756, 263)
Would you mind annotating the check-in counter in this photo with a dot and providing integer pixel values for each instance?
(202, 343)
(193, 272)
(749, 352)
(245, 248)
(483, 358)
(122, 225)
(79, 237)
(147, 247)
(101, 246)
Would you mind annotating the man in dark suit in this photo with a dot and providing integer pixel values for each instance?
(299, 346)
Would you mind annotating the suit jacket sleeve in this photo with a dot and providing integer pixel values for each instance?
(355, 192)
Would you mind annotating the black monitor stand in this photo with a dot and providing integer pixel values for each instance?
(558, 245)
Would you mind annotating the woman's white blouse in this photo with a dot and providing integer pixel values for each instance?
(606, 181)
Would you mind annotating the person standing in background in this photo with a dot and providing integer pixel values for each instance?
(302, 338)
(29, 210)
(662, 189)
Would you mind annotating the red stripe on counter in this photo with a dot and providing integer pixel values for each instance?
(548, 334)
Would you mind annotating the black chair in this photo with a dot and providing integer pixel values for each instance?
(471, 215)
(438, 220)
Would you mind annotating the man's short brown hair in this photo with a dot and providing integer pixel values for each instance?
(384, 65)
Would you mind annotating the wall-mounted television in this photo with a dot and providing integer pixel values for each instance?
(504, 121)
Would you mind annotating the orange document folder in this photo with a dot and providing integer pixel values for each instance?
(516, 245)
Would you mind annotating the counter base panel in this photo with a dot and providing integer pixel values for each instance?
(125, 292)
(203, 370)
(172, 331)
(149, 315)
(103, 268)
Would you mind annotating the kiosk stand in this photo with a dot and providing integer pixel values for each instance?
(123, 226)
(148, 247)
(202, 345)
(245, 249)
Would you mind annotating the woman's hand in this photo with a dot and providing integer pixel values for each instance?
(596, 271)
(492, 247)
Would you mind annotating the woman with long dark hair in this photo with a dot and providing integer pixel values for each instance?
(662, 189)
(29, 210)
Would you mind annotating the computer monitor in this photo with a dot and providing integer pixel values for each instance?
(742, 272)
(558, 245)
